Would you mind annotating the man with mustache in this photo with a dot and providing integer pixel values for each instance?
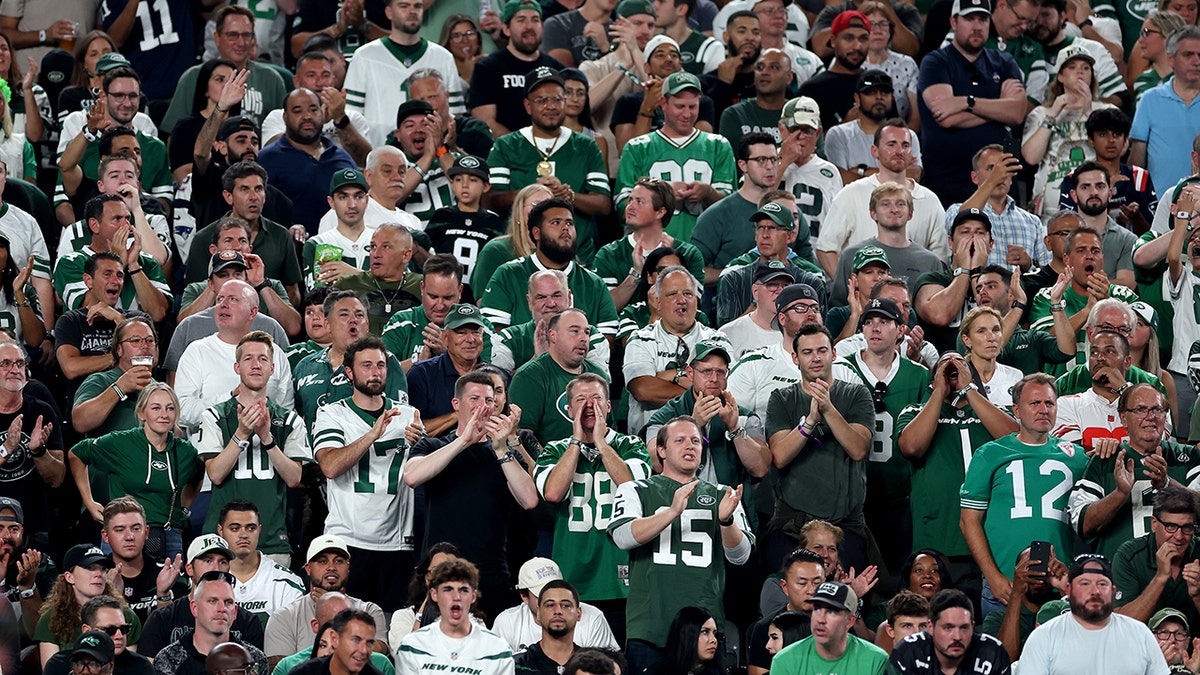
(833, 90)
(952, 642)
(558, 613)
(1021, 481)
(849, 143)
(1092, 192)
(1090, 418)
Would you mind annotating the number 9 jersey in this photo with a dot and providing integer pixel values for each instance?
(684, 565)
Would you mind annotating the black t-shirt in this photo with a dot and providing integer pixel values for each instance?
(167, 624)
(91, 339)
(19, 477)
(533, 661)
(125, 663)
(208, 204)
(757, 636)
(463, 235)
(625, 111)
(183, 140)
(468, 504)
(986, 654)
(499, 79)
(140, 590)
(834, 93)
(320, 666)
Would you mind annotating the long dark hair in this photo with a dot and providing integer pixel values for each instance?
(680, 656)
(791, 625)
(8, 273)
(417, 590)
(200, 96)
(317, 642)
(79, 75)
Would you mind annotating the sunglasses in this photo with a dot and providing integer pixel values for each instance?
(218, 575)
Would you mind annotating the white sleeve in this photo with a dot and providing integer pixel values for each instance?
(836, 224)
(1035, 657)
(502, 355)
(189, 385)
(296, 447)
(208, 439)
(598, 633)
(406, 662)
(627, 507)
(640, 358)
(272, 125)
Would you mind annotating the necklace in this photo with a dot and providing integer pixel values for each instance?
(544, 168)
(387, 307)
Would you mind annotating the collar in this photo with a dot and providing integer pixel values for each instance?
(542, 268)
(869, 376)
(559, 143)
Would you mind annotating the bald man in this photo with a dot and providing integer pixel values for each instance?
(327, 607)
(227, 656)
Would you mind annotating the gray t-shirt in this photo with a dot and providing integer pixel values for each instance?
(565, 31)
(847, 145)
(290, 629)
(1118, 249)
(202, 324)
(907, 263)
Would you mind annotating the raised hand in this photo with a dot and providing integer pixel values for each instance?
(415, 431)
(168, 574)
(1123, 474)
(682, 494)
(729, 503)
(234, 90)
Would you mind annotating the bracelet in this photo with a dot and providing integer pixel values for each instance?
(264, 284)
(810, 436)
(442, 150)
(133, 272)
(33, 452)
(513, 445)
(726, 523)
(1058, 307)
(1048, 124)
(21, 303)
(1020, 305)
(165, 598)
(120, 394)
(645, 114)
(220, 109)
(420, 172)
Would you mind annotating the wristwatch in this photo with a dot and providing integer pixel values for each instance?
(959, 271)
(970, 102)
(42, 37)
(731, 434)
(1058, 307)
(27, 593)
(1186, 215)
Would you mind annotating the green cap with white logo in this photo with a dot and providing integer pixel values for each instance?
(778, 213)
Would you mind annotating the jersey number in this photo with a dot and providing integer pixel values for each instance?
(466, 250)
(266, 13)
(150, 40)
(695, 544)
(881, 444)
(248, 469)
(584, 516)
(1021, 507)
(364, 484)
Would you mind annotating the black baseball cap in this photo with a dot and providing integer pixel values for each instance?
(1090, 563)
(15, 506)
(970, 214)
(82, 555)
(96, 644)
(539, 76)
(836, 595)
(873, 78)
(774, 269)
(235, 124)
(793, 293)
(884, 307)
(413, 106)
(470, 165)
(228, 258)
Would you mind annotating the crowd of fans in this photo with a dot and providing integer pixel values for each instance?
(663, 337)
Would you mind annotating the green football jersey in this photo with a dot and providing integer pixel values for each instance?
(296, 352)
(253, 477)
(1131, 14)
(1132, 519)
(1024, 490)
(403, 334)
(1040, 319)
(889, 474)
(702, 157)
(504, 304)
(69, 286)
(519, 342)
(539, 388)
(574, 159)
(937, 476)
(683, 566)
(615, 258)
(581, 544)
(317, 384)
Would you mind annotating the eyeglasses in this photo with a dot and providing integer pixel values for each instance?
(123, 628)
(11, 363)
(1021, 20)
(883, 24)
(230, 35)
(1143, 410)
(1175, 528)
(464, 34)
(764, 161)
(218, 575)
(878, 394)
(1123, 330)
(546, 100)
(1062, 234)
(139, 341)
(1146, 32)
(1176, 635)
(707, 372)
(770, 11)
(575, 93)
(802, 309)
(87, 666)
(768, 228)
(116, 96)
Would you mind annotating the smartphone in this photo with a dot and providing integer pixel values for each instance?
(1039, 555)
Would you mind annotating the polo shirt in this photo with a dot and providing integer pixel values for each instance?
(1016, 226)
(431, 386)
(1165, 123)
(1135, 564)
(302, 178)
(273, 243)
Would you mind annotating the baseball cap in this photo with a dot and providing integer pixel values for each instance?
(413, 106)
(774, 269)
(18, 512)
(513, 6)
(777, 213)
(873, 79)
(970, 214)
(793, 293)
(656, 42)
(539, 76)
(470, 165)
(1090, 563)
(327, 542)
(82, 555)
(341, 179)
(1073, 51)
(235, 124)
(206, 543)
(867, 255)
(801, 112)
(222, 259)
(111, 60)
(96, 644)
(1052, 609)
(57, 66)
(1167, 613)
(628, 8)
(836, 595)
(850, 19)
(965, 7)
(536, 573)
(463, 314)
(680, 81)
(884, 307)
(706, 348)
(1147, 313)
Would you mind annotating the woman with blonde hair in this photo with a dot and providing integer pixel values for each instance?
(515, 244)
(149, 463)
(982, 336)
(1149, 62)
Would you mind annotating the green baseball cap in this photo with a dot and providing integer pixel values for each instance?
(628, 8)
(777, 213)
(346, 177)
(1167, 613)
(462, 315)
(111, 60)
(706, 348)
(680, 81)
(867, 255)
(513, 6)
(1052, 609)
(801, 112)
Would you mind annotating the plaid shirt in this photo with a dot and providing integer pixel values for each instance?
(1016, 227)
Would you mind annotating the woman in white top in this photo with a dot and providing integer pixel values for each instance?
(983, 338)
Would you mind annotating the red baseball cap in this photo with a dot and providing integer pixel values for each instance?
(850, 19)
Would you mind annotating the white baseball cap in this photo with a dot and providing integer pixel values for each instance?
(536, 573)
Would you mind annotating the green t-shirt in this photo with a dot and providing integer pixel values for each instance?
(615, 258)
(519, 341)
(801, 658)
(156, 479)
(581, 544)
(995, 618)
(1040, 319)
(41, 632)
(702, 157)
(575, 160)
(937, 475)
(889, 473)
(317, 384)
(539, 388)
(384, 298)
(1132, 519)
(265, 91)
(122, 416)
(1023, 489)
(748, 117)
(273, 244)
(493, 254)
(1134, 566)
(1079, 379)
(68, 280)
(504, 304)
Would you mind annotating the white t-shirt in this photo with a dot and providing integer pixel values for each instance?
(1182, 297)
(849, 219)
(745, 335)
(1062, 646)
(428, 649)
(519, 628)
(205, 378)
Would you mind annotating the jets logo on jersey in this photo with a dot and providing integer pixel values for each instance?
(706, 500)
(561, 404)
(158, 465)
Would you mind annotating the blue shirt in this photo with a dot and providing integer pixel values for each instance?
(303, 179)
(950, 176)
(431, 386)
(1167, 125)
